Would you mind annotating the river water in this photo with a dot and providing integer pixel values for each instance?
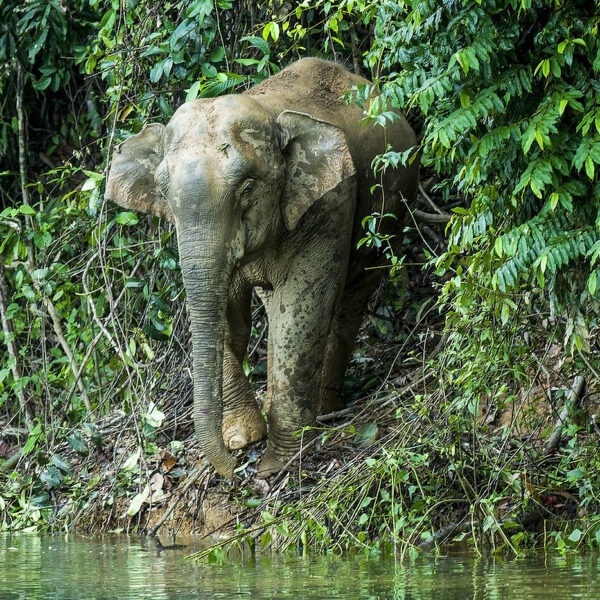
(107, 567)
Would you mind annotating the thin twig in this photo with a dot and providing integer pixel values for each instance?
(6, 324)
(449, 531)
(113, 303)
(22, 140)
(58, 330)
(429, 200)
(9, 341)
(103, 331)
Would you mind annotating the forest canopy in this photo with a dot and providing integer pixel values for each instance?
(505, 96)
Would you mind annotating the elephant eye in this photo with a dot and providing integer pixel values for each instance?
(247, 186)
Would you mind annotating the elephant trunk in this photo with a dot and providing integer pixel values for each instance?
(206, 277)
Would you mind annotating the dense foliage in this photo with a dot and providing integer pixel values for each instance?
(506, 94)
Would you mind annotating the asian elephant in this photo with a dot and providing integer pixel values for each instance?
(267, 190)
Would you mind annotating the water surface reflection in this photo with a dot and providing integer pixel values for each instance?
(75, 567)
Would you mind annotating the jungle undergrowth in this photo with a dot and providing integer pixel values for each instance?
(94, 317)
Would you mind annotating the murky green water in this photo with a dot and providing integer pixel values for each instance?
(75, 567)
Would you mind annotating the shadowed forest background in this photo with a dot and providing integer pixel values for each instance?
(476, 375)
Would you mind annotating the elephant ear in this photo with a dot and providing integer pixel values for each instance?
(317, 160)
(131, 181)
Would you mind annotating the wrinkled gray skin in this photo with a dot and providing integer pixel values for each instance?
(267, 190)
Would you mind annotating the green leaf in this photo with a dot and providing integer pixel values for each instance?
(563, 104)
(259, 43)
(138, 500)
(463, 61)
(271, 29)
(540, 140)
(589, 167)
(505, 313)
(153, 416)
(247, 62)
(37, 46)
(576, 535)
(131, 463)
(217, 54)
(51, 477)
(89, 184)
(267, 517)
(42, 83)
(34, 435)
(127, 218)
(592, 283)
(192, 92)
(25, 209)
(366, 501)
(527, 139)
(61, 463)
(42, 239)
(77, 442)
(156, 72)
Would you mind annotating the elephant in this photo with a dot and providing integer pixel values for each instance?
(267, 190)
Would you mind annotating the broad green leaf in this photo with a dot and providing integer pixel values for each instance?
(463, 61)
(589, 167)
(592, 283)
(192, 92)
(136, 503)
(154, 417)
(132, 461)
(127, 218)
(77, 442)
(25, 209)
(89, 184)
(498, 247)
(576, 535)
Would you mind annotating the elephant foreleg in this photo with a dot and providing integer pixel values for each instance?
(242, 421)
(299, 321)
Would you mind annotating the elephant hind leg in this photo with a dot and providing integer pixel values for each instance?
(345, 324)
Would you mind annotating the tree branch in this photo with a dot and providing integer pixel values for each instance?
(9, 341)
(22, 138)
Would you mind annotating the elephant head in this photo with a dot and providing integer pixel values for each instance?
(232, 176)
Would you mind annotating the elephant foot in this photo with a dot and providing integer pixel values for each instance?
(269, 465)
(239, 431)
(273, 461)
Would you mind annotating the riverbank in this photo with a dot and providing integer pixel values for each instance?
(505, 458)
(403, 465)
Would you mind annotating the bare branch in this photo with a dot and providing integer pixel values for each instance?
(9, 341)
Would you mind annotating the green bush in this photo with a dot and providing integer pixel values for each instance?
(509, 93)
